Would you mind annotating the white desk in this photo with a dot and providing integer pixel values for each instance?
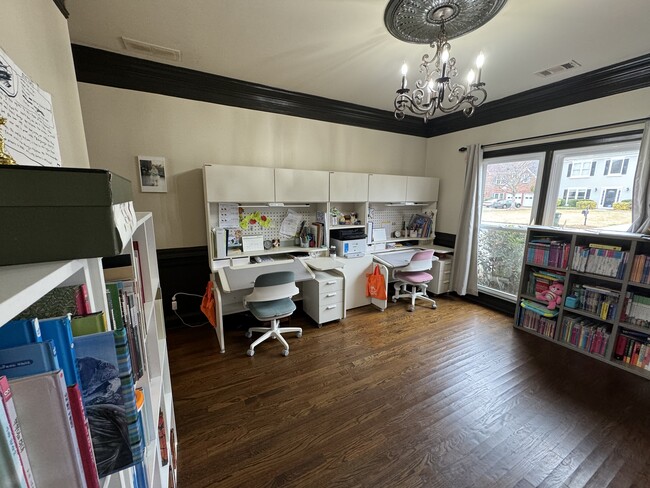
(231, 283)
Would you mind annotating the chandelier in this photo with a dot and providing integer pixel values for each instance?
(438, 88)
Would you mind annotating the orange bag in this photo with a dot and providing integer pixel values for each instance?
(376, 285)
(208, 306)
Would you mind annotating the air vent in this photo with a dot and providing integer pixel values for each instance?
(558, 69)
(151, 49)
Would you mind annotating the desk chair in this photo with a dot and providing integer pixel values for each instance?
(271, 301)
(414, 275)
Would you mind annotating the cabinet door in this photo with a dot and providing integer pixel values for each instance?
(386, 188)
(239, 184)
(348, 187)
(301, 186)
(422, 189)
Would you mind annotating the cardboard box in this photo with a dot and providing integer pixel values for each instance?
(53, 214)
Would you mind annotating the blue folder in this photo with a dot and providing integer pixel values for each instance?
(28, 360)
(59, 331)
(20, 332)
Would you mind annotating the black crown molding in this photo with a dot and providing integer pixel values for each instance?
(101, 67)
(118, 71)
(61, 5)
(632, 74)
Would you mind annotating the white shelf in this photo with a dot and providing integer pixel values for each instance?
(354, 226)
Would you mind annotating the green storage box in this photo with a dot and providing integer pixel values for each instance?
(54, 214)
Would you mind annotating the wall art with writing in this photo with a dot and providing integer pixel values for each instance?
(30, 132)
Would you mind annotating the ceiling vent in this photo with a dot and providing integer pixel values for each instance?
(558, 69)
(151, 49)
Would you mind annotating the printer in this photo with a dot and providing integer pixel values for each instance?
(350, 243)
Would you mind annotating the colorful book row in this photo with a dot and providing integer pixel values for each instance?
(640, 272)
(548, 252)
(597, 300)
(596, 260)
(633, 348)
(584, 334)
(534, 321)
(636, 309)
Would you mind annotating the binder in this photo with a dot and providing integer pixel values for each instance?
(220, 241)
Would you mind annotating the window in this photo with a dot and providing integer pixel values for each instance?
(581, 169)
(533, 193)
(616, 167)
(505, 213)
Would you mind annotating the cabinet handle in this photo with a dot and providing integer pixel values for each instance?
(329, 295)
(331, 283)
(330, 307)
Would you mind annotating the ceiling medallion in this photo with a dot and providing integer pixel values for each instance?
(434, 22)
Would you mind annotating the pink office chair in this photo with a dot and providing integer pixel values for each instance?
(414, 275)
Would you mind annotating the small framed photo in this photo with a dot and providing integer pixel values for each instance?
(153, 177)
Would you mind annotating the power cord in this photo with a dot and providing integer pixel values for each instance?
(175, 309)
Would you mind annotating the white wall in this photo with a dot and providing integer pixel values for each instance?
(122, 124)
(445, 162)
(34, 34)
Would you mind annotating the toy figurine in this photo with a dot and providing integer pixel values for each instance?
(553, 295)
(4, 157)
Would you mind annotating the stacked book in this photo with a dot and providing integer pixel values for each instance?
(600, 259)
(584, 334)
(633, 348)
(640, 269)
(422, 224)
(548, 251)
(636, 309)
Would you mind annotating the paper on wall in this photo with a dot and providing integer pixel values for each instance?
(289, 226)
(228, 215)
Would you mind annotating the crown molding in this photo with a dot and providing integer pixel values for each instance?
(61, 5)
(106, 68)
(116, 70)
(632, 74)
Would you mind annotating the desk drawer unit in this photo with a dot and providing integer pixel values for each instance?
(323, 297)
(441, 272)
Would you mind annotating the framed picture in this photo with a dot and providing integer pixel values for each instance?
(152, 174)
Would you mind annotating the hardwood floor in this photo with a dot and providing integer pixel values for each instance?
(452, 397)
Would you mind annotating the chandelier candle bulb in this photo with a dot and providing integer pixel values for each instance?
(404, 71)
(470, 77)
(480, 59)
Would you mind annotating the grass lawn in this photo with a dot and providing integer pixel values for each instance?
(570, 217)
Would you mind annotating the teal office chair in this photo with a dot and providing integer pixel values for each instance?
(415, 276)
(271, 301)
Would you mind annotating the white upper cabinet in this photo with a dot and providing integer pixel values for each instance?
(301, 186)
(422, 189)
(386, 188)
(348, 187)
(239, 184)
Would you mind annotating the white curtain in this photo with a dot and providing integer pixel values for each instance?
(641, 194)
(464, 277)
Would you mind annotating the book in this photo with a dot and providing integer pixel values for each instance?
(82, 431)
(162, 439)
(88, 324)
(29, 359)
(11, 470)
(60, 301)
(20, 332)
(103, 393)
(59, 331)
(6, 397)
(44, 409)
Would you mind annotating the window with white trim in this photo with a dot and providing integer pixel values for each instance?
(616, 167)
(581, 169)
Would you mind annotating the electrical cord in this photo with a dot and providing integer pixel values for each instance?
(175, 309)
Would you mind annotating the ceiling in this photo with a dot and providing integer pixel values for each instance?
(341, 49)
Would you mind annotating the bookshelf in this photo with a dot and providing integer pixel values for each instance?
(22, 285)
(604, 309)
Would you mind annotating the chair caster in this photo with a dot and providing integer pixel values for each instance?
(248, 334)
(394, 300)
(298, 334)
(285, 353)
(410, 308)
(434, 306)
(250, 352)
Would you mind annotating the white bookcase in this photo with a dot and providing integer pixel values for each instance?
(22, 285)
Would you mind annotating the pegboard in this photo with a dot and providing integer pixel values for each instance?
(276, 215)
(396, 218)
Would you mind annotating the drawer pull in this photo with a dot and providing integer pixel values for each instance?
(329, 295)
(330, 307)
(330, 283)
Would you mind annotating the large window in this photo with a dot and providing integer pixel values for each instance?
(585, 186)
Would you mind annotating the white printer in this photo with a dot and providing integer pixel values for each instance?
(350, 243)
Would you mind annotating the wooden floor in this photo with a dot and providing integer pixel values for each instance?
(452, 397)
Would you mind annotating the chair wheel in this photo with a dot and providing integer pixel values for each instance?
(248, 334)
(285, 352)
(394, 300)
(410, 308)
(434, 306)
(250, 352)
(298, 334)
